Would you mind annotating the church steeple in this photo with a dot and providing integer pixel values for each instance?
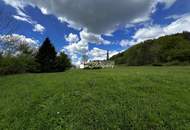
(108, 55)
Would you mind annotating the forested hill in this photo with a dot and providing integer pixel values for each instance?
(167, 50)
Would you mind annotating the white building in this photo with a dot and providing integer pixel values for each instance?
(98, 64)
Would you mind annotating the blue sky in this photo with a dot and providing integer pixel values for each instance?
(92, 27)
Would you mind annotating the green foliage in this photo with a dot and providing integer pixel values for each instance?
(46, 57)
(165, 50)
(1, 57)
(18, 64)
(128, 98)
(62, 62)
(30, 60)
(12, 65)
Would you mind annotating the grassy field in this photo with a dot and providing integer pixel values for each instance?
(133, 98)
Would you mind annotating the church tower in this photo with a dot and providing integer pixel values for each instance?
(108, 55)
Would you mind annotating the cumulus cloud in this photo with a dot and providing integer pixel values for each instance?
(79, 46)
(38, 28)
(93, 38)
(93, 54)
(97, 16)
(155, 31)
(44, 11)
(76, 50)
(127, 43)
(100, 54)
(151, 32)
(72, 38)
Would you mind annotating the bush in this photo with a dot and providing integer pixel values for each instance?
(20, 64)
(177, 63)
(62, 62)
(157, 64)
(10, 70)
(12, 65)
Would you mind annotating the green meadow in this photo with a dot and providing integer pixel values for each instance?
(124, 98)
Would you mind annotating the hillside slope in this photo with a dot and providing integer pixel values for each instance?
(167, 50)
(124, 98)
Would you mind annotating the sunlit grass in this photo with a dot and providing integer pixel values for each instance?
(147, 98)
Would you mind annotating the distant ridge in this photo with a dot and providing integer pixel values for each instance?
(166, 50)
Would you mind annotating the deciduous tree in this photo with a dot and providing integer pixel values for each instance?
(62, 62)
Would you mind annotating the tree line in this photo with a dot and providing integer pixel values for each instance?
(21, 58)
(166, 50)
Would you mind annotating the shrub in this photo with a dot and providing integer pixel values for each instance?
(157, 64)
(12, 65)
(19, 64)
(62, 62)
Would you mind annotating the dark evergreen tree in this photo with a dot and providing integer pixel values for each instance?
(46, 56)
(1, 57)
(62, 62)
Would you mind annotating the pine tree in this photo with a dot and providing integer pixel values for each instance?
(46, 56)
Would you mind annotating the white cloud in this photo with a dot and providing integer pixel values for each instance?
(22, 16)
(38, 28)
(94, 54)
(44, 11)
(72, 38)
(180, 25)
(141, 19)
(97, 16)
(76, 50)
(93, 38)
(150, 32)
(127, 43)
(155, 31)
(100, 54)
(25, 19)
(71, 24)
(77, 45)
(168, 3)
(174, 17)
(80, 46)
